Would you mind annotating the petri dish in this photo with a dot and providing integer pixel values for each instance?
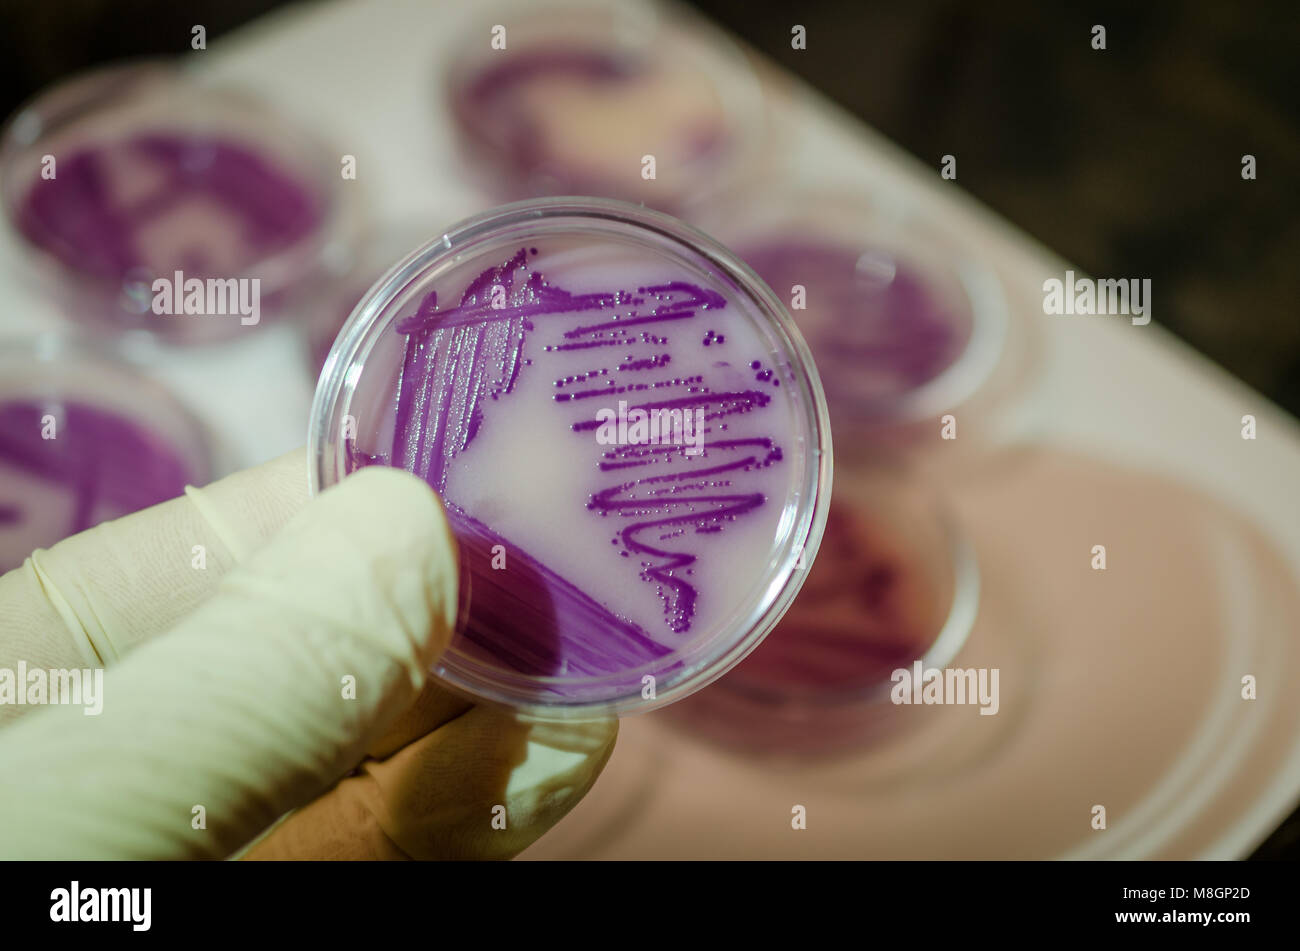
(85, 439)
(904, 326)
(136, 173)
(580, 98)
(896, 582)
(515, 363)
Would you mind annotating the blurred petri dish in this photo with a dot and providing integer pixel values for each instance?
(515, 364)
(136, 173)
(582, 99)
(895, 582)
(905, 326)
(84, 439)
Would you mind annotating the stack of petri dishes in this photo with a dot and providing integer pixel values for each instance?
(912, 336)
(148, 208)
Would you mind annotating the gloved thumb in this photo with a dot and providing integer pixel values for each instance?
(258, 701)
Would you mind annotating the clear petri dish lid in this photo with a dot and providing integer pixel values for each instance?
(626, 430)
(85, 438)
(582, 95)
(128, 174)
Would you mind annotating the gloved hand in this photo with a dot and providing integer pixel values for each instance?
(226, 687)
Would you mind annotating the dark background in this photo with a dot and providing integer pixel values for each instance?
(1126, 161)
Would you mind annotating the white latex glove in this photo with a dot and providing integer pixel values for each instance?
(239, 706)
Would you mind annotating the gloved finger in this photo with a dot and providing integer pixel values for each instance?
(435, 706)
(91, 598)
(257, 702)
(486, 785)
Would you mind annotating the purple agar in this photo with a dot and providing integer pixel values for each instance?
(68, 466)
(160, 202)
(606, 561)
(877, 327)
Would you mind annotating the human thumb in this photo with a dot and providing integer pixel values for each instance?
(255, 703)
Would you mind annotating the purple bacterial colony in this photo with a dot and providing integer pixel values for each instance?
(876, 329)
(211, 208)
(462, 369)
(103, 464)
